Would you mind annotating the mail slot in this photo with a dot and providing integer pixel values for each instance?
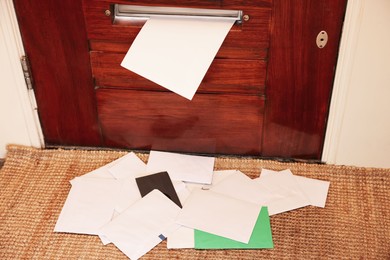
(123, 14)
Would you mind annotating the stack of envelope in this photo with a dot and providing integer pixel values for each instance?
(182, 199)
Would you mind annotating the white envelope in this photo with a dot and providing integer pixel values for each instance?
(265, 172)
(218, 176)
(181, 190)
(240, 186)
(283, 182)
(103, 172)
(176, 52)
(126, 169)
(315, 190)
(287, 188)
(89, 205)
(143, 225)
(183, 237)
(129, 193)
(123, 169)
(128, 166)
(220, 215)
(182, 167)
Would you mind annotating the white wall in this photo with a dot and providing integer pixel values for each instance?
(18, 120)
(360, 134)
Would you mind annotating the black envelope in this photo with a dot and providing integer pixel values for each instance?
(160, 181)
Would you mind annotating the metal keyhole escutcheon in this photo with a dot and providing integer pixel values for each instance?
(322, 39)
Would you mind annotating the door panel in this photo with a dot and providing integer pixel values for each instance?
(55, 42)
(300, 76)
(165, 121)
(267, 93)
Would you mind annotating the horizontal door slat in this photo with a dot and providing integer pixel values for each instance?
(165, 121)
(217, 4)
(237, 51)
(223, 76)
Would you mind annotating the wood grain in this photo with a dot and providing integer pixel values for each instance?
(223, 76)
(228, 124)
(246, 41)
(55, 41)
(226, 114)
(230, 113)
(300, 76)
(233, 52)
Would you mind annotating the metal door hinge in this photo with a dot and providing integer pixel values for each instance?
(27, 72)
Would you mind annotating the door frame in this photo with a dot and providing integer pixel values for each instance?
(25, 101)
(341, 85)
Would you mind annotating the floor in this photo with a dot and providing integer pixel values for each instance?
(30, 206)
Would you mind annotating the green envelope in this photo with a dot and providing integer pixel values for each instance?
(261, 237)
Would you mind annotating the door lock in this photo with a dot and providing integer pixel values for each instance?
(322, 39)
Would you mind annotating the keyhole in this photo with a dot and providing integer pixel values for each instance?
(322, 39)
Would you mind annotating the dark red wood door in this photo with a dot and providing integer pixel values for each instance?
(267, 92)
(300, 76)
(54, 39)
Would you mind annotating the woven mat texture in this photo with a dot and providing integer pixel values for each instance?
(34, 183)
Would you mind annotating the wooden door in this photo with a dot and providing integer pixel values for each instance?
(300, 76)
(267, 92)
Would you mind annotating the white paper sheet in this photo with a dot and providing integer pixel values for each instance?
(137, 230)
(182, 167)
(89, 205)
(205, 210)
(176, 52)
